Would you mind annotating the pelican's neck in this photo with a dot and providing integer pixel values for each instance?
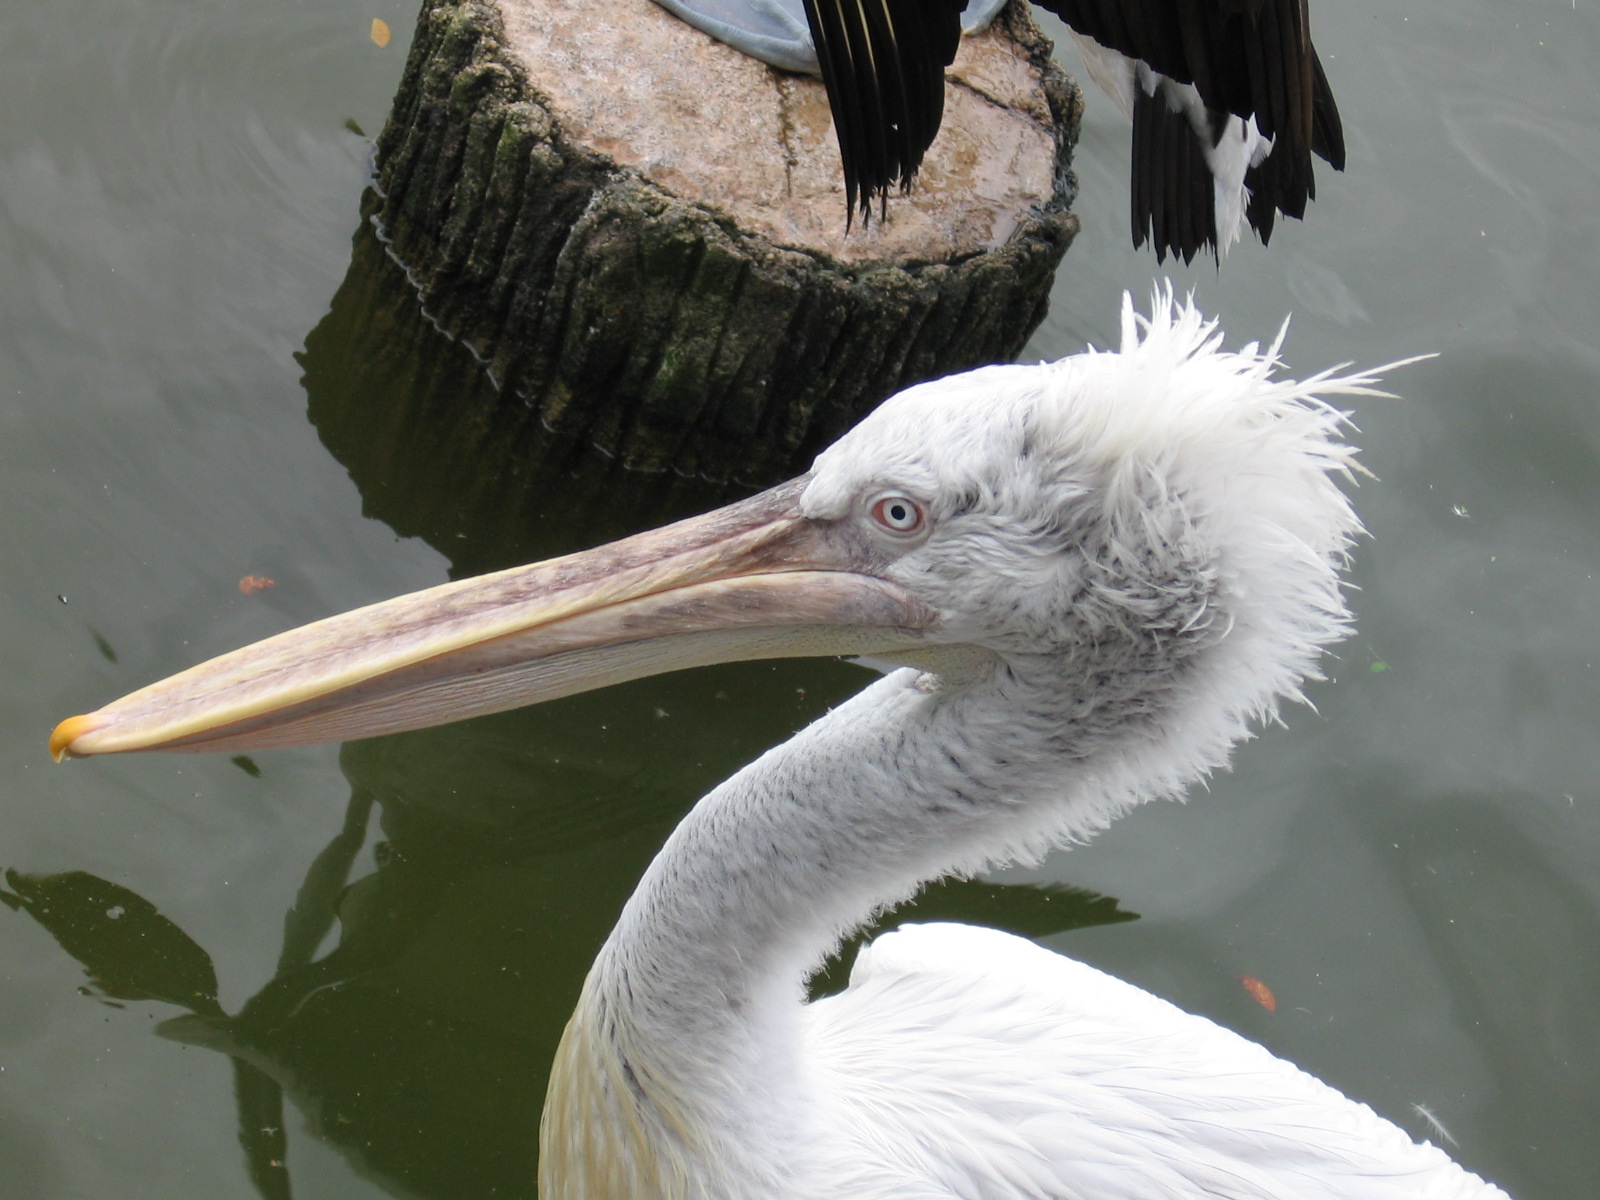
(689, 1019)
(902, 784)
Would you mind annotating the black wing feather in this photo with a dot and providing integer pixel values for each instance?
(883, 64)
(1174, 198)
(1252, 58)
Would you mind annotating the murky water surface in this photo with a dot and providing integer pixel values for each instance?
(204, 377)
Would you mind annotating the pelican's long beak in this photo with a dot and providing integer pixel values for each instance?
(753, 580)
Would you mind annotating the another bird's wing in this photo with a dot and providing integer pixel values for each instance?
(883, 64)
(1172, 195)
(1247, 57)
(1251, 58)
(964, 1062)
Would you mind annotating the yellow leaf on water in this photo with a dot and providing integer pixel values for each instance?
(380, 31)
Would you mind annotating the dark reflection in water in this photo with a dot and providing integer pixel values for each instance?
(479, 866)
(1410, 868)
(418, 1045)
(439, 453)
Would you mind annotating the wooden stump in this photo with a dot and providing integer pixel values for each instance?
(641, 231)
(438, 454)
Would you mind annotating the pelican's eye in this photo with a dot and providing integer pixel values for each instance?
(899, 515)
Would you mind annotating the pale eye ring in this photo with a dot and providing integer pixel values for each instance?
(898, 514)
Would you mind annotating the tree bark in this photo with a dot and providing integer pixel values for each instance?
(641, 232)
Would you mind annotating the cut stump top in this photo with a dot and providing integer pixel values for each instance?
(720, 129)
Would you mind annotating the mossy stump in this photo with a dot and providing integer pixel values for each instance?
(641, 232)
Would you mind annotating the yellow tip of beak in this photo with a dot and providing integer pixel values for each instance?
(68, 732)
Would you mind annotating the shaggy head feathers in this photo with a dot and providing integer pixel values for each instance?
(1170, 404)
(1123, 511)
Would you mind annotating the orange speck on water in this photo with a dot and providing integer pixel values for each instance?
(1259, 992)
(380, 32)
(251, 584)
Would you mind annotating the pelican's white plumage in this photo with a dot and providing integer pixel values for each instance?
(1154, 568)
(1039, 1076)
(1100, 573)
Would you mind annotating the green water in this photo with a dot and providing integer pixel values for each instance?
(205, 376)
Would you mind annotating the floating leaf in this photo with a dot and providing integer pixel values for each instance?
(380, 32)
(251, 584)
(1259, 992)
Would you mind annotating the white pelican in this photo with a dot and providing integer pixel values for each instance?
(1227, 97)
(1096, 574)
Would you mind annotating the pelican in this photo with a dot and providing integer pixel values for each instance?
(1227, 98)
(1087, 580)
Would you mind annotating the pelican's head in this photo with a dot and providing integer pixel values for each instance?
(1170, 494)
(1121, 509)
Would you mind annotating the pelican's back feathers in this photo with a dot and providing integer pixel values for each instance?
(1000, 1068)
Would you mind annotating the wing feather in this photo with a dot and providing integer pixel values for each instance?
(978, 1064)
(883, 65)
(1251, 58)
